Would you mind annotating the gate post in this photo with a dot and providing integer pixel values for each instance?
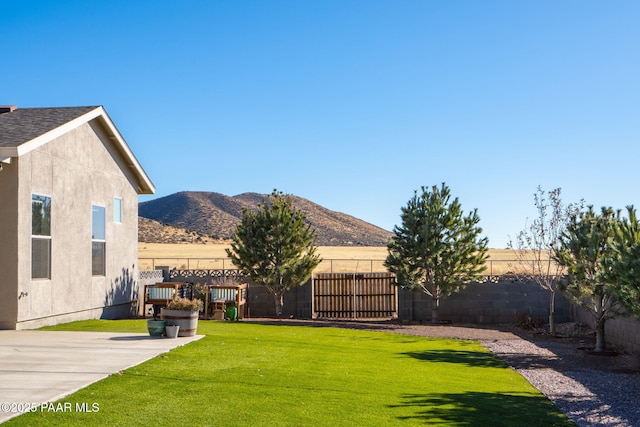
(314, 315)
(353, 298)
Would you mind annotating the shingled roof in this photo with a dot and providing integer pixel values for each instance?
(25, 129)
(25, 124)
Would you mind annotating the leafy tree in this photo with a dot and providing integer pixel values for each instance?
(436, 249)
(625, 266)
(536, 243)
(586, 253)
(275, 246)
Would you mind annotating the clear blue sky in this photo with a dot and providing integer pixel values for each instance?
(351, 104)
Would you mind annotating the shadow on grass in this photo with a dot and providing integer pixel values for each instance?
(369, 325)
(530, 361)
(466, 357)
(482, 409)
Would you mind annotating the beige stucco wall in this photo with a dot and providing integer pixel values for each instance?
(77, 170)
(8, 242)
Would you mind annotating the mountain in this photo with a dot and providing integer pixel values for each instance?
(211, 216)
(150, 231)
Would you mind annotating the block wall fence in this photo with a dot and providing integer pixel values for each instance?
(622, 332)
(487, 303)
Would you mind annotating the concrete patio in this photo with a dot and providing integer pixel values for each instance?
(39, 367)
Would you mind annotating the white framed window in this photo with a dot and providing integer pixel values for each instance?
(40, 237)
(98, 240)
(117, 210)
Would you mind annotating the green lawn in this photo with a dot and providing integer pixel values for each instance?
(244, 374)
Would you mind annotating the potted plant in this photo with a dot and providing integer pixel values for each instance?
(155, 326)
(184, 313)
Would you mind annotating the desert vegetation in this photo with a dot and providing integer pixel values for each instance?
(206, 216)
(334, 258)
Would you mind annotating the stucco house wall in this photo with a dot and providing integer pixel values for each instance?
(8, 244)
(80, 168)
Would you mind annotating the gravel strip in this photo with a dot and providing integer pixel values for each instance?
(588, 395)
(592, 390)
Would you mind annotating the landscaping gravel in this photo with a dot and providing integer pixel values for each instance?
(592, 390)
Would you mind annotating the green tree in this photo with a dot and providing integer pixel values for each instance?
(535, 244)
(625, 265)
(275, 246)
(436, 249)
(586, 253)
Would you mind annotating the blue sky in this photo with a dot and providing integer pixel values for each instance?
(351, 104)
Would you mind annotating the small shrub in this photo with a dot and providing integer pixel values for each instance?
(525, 321)
(185, 304)
(200, 291)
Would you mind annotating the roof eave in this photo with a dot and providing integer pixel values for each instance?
(145, 186)
(46, 137)
(8, 152)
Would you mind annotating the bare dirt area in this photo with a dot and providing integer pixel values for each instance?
(591, 389)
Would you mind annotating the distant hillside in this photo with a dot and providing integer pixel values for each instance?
(214, 216)
(150, 231)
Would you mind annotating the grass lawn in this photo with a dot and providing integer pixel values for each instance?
(252, 375)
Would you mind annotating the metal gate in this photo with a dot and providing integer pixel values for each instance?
(354, 296)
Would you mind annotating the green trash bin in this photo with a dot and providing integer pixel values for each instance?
(232, 313)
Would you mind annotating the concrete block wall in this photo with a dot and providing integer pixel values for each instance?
(485, 303)
(297, 302)
(623, 332)
(482, 303)
(479, 303)
(150, 277)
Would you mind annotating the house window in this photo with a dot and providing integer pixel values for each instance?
(117, 210)
(40, 237)
(98, 240)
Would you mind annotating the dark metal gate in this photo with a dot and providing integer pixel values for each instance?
(354, 296)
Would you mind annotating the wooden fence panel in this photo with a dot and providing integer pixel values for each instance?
(354, 296)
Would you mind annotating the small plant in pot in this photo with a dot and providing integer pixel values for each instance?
(184, 313)
(155, 326)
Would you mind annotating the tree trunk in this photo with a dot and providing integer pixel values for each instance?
(600, 319)
(600, 344)
(435, 302)
(552, 309)
(279, 301)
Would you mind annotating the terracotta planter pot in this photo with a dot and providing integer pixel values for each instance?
(187, 320)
